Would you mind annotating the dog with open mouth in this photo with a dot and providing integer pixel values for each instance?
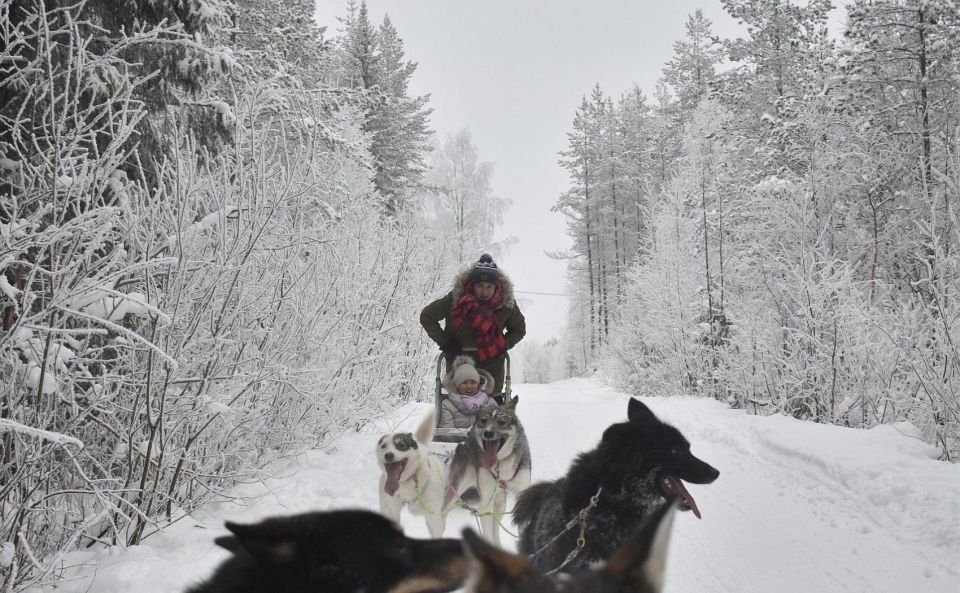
(412, 476)
(493, 461)
(637, 465)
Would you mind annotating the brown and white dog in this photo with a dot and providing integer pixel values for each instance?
(412, 477)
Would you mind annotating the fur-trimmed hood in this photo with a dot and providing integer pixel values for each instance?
(487, 383)
(462, 277)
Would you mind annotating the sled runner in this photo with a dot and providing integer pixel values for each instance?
(458, 435)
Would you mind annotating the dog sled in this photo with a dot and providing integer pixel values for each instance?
(444, 434)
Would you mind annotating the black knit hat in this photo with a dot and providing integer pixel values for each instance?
(485, 270)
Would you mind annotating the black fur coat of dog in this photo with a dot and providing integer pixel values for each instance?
(637, 465)
(334, 552)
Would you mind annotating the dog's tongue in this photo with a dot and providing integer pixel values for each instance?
(490, 449)
(394, 470)
(675, 486)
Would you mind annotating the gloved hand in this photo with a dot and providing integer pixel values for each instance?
(452, 349)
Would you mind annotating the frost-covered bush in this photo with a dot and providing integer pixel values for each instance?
(662, 342)
(813, 196)
(804, 336)
(70, 311)
(166, 335)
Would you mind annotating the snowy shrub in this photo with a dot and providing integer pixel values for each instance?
(656, 348)
(803, 335)
(165, 335)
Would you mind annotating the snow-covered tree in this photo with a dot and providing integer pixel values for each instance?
(790, 222)
(692, 69)
(175, 318)
(779, 66)
(461, 200)
(902, 63)
(537, 362)
(282, 41)
(636, 122)
(373, 60)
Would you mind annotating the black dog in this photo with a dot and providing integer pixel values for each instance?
(334, 552)
(637, 465)
(637, 566)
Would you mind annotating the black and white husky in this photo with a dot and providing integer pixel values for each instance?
(493, 460)
(412, 477)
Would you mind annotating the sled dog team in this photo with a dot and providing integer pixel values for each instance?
(492, 461)
(603, 527)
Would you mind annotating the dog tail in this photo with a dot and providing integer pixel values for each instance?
(424, 433)
(529, 501)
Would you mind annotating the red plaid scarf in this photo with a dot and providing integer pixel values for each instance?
(480, 315)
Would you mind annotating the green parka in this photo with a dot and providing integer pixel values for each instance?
(508, 317)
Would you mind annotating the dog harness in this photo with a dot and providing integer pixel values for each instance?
(580, 518)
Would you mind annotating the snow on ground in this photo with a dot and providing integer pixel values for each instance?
(798, 507)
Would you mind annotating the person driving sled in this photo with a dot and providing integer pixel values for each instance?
(480, 316)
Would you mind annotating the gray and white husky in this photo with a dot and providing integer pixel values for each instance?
(494, 460)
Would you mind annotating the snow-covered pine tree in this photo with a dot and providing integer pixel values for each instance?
(635, 120)
(283, 41)
(690, 73)
(778, 65)
(692, 69)
(580, 161)
(604, 188)
(665, 138)
(373, 60)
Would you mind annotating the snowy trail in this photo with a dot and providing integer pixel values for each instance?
(798, 507)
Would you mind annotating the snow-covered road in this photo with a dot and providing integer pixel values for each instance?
(798, 507)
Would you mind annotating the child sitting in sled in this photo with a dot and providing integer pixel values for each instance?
(468, 390)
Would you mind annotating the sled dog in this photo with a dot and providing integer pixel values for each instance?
(637, 566)
(412, 477)
(637, 465)
(494, 460)
(334, 552)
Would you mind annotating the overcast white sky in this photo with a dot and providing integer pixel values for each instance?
(514, 71)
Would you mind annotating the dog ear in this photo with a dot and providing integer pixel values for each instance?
(490, 566)
(263, 541)
(512, 403)
(641, 562)
(638, 412)
(229, 543)
(424, 432)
